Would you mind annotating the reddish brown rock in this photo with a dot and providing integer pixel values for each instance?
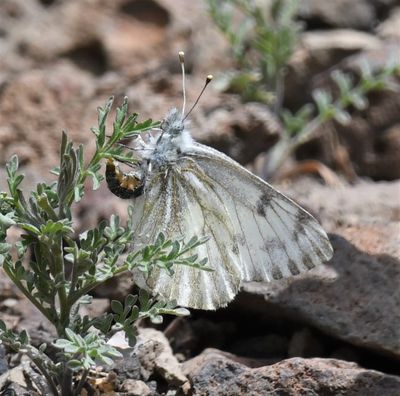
(213, 374)
(137, 31)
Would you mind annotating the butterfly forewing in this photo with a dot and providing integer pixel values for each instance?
(181, 205)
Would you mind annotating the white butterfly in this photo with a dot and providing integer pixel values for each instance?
(255, 232)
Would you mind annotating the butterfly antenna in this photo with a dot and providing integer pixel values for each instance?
(181, 55)
(208, 80)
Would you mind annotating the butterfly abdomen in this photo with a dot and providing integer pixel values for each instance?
(123, 185)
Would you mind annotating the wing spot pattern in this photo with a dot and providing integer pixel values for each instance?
(307, 261)
(294, 270)
(276, 273)
(272, 244)
(303, 234)
(262, 203)
(240, 239)
(323, 252)
(265, 242)
(202, 175)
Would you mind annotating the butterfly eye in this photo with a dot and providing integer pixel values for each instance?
(162, 125)
(123, 185)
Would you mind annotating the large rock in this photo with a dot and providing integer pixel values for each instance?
(213, 373)
(355, 297)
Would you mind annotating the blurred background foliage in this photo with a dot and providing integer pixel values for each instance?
(263, 37)
(304, 81)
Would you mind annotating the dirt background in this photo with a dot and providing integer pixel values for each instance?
(335, 330)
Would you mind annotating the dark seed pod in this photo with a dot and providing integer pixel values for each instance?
(123, 185)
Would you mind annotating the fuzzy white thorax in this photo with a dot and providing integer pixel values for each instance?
(174, 140)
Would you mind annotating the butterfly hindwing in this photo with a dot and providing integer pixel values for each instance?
(277, 238)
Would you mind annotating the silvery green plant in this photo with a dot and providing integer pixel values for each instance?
(263, 35)
(302, 126)
(56, 269)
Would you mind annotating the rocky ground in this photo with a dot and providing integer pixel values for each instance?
(332, 331)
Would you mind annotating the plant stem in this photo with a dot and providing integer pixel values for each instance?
(279, 93)
(62, 296)
(286, 146)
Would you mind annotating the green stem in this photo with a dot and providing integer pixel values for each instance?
(55, 252)
(64, 312)
(279, 92)
(286, 146)
(39, 359)
(74, 277)
(65, 309)
(309, 132)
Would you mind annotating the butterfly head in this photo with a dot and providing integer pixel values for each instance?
(175, 138)
(173, 125)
